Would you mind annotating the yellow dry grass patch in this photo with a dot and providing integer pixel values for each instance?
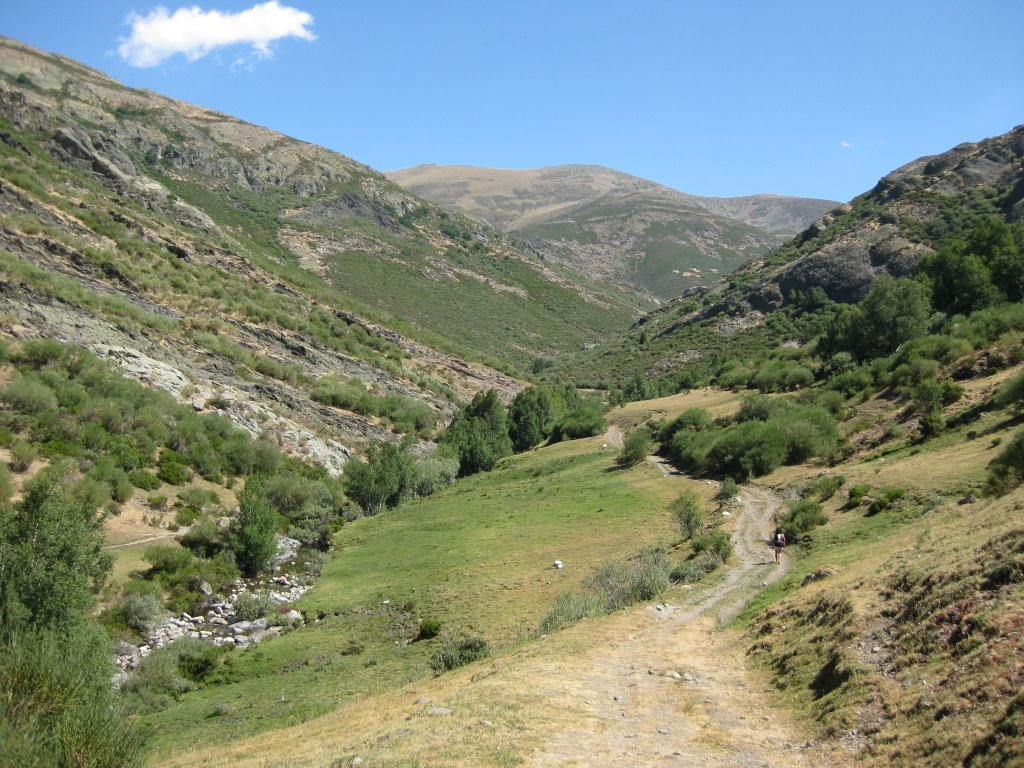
(717, 402)
(543, 704)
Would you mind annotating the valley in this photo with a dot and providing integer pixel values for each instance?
(456, 466)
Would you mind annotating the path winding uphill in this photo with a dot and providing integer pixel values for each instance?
(675, 691)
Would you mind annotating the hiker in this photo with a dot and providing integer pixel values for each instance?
(779, 542)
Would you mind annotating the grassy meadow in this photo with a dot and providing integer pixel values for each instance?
(477, 557)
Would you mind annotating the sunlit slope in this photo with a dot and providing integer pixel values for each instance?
(477, 557)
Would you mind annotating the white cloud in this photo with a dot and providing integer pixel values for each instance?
(194, 32)
(845, 144)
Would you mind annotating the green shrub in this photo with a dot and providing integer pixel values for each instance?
(1011, 392)
(693, 419)
(169, 672)
(857, 494)
(142, 612)
(29, 396)
(435, 472)
(147, 481)
(172, 473)
(54, 712)
(688, 514)
(205, 538)
(22, 455)
(428, 628)
(569, 608)
(643, 577)
(459, 651)
(885, 499)
(830, 400)
(156, 501)
(253, 530)
(6, 483)
(635, 449)
(803, 515)
(115, 478)
(199, 498)
(696, 568)
(716, 541)
(197, 659)
(728, 490)
(735, 378)
(165, 559)
(584, 421)
(39, 352)
(251, 606)
(824, 487)
(690, 449)
(750, 449)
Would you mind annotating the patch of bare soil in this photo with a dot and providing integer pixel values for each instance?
(677, 691)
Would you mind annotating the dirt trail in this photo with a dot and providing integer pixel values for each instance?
(156, 537)
(674, 691)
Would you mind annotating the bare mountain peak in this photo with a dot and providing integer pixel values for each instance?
(621, 228)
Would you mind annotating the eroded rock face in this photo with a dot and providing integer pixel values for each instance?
(121, 152)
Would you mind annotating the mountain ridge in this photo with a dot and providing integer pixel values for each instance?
(624, 229)
(255, 264)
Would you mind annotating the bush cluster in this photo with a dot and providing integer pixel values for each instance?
(1006, 471)
(458, 651)
(404, 414)
(802, 516)
(696, 568)
(765, 434)
(615, 585)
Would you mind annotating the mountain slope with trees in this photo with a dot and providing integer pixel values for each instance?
(299, 290)
(623, 229)
(949, 224)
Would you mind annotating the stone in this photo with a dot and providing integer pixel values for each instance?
(241, 626)
(439, 711)
(125, 649)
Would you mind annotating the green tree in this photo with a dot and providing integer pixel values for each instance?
(56, 707)
(253, 531)
(386, 477)
(530, 416)
(894, 311)
(52, 562)
(688, 514)
(961, 283)
(635, 448)
(479, 435)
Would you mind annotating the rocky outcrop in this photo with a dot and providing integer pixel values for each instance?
(881, 232)
(117, 251)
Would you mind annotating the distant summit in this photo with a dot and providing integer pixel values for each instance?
(618, 227)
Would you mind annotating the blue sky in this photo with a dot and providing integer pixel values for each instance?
(723, 98)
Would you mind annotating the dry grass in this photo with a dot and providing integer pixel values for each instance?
(716, 401)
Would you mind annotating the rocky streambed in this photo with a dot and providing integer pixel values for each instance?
(223, 622)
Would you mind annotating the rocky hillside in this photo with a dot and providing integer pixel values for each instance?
(621, 228)
(887, 230)
(299, 290)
